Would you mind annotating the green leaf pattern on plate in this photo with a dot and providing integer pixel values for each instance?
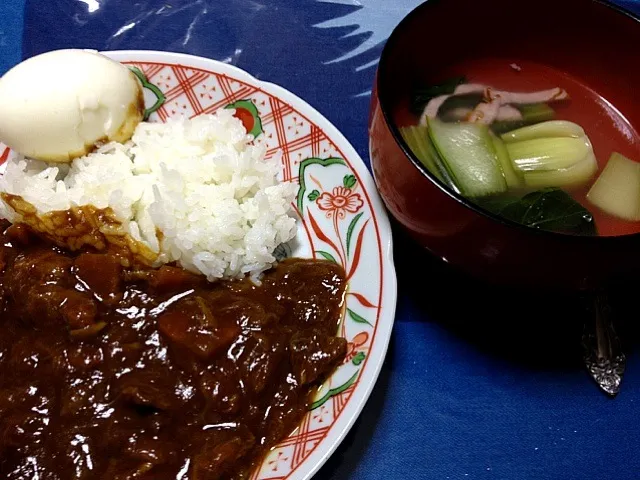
(160, 97)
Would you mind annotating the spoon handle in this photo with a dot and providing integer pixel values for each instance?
(603, 354)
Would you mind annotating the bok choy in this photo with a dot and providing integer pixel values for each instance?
(556, 153)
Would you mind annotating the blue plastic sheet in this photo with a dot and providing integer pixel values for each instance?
(460, 397)
(324, 51)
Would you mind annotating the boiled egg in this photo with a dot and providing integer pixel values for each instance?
(60, 105)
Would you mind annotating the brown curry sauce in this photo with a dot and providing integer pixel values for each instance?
(112, 373)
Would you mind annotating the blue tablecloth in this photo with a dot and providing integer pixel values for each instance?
(454, 401)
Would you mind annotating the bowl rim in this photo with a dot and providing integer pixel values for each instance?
(397, 136)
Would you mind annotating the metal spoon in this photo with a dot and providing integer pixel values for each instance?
(603, 354)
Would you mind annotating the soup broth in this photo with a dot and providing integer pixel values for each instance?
(606, 131)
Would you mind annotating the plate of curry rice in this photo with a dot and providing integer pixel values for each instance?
(130, 349)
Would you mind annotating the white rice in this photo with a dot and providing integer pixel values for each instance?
(202, 182)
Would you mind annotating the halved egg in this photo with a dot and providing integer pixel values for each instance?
(60, 105)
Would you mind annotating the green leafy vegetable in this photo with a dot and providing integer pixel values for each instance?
(450, 110)
(421, 95)
(531, 114)
(549, 209)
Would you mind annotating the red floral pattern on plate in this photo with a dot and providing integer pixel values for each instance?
(340, 201)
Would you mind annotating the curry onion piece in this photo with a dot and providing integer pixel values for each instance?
(86, 332)
(617, 190)
(469, 155)
(208, 319)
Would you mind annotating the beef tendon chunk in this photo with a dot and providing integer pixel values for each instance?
(42, 282)
(38, 268)
(260, 360)
(222, 388)
(148, 389)
(19, 234)
(24, 422)
(27, 356)
(314, 354)
(84, 357)
(78, 311)
(148, 449)
(82, 393)
(219, 456)
(312, 292)
(3, 258)
(193, 326)
(101, 274)
(171, 279)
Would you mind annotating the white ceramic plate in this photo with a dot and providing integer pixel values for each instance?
(342, 219)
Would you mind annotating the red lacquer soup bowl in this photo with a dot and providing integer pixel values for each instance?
(591, 49)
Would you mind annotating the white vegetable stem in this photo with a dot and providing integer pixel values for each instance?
(617, 190)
